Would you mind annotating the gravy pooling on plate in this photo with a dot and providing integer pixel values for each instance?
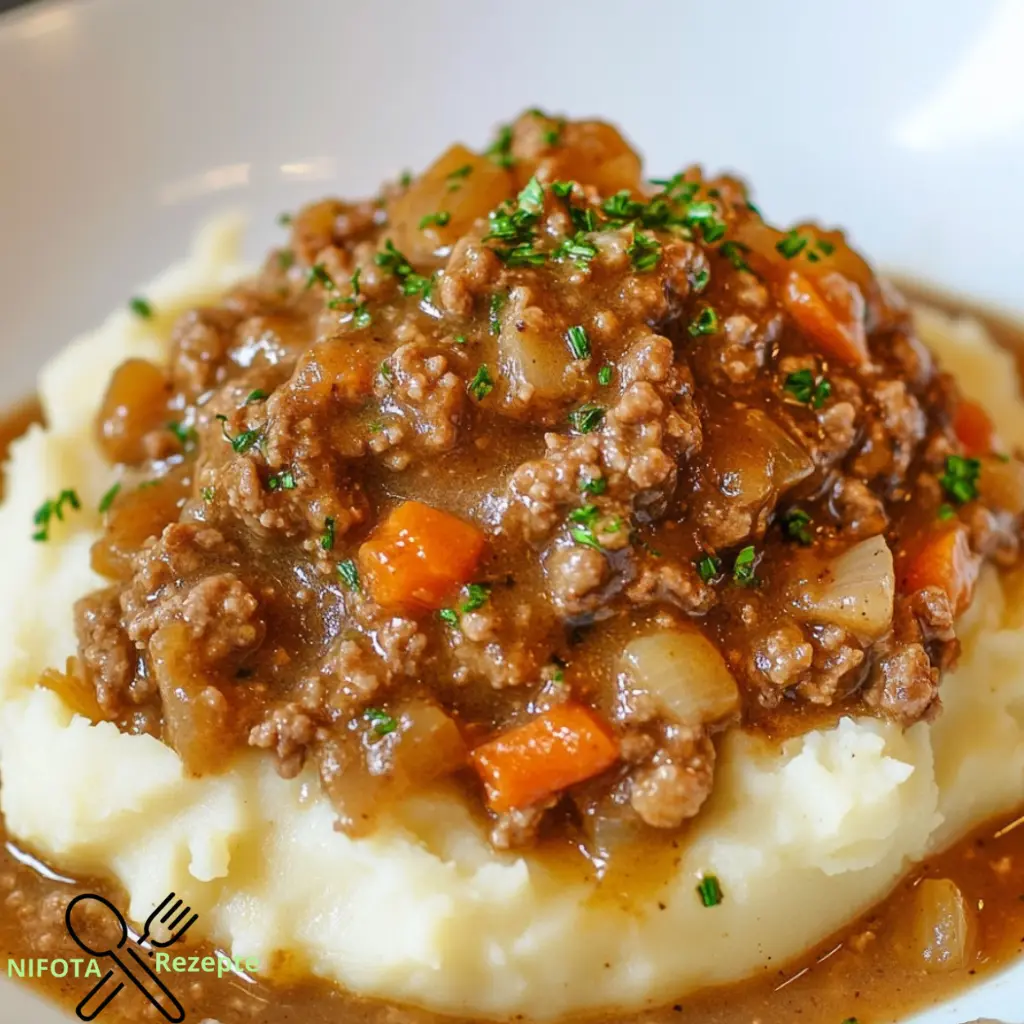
(535, 475)
(874, 972)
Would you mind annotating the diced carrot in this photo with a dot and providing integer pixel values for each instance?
(943, 559)
(831, 311)
(974, 429)
(564, 746)
(419, 556)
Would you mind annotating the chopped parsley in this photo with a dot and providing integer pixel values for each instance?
(395, 263)
(516, 226)
(586, 418)
(791, 245)
(405, 179)
(318, 274)
(439, 219)
(455, 178)
(579, 343)
(946, 512)
(710, 891)
(459, 339)
(187, 436)
(256, 396)
(734, 253)
(207, 493)
(108, 498)
(797, 524)
(604, 375)
(644, 251)
(481, 385)
(497, 304)
(283, 481)
(744, 566)
(53, 509)
(347, 571)
(960, 480)
(622, 206)
(806, 388)
(141, 308)
(524, 254)
(708, 568)
(595, 485)
(327, 537)
(531, 199)
(701, 279)
(707, 322)
(552, 136)
(562, 189)
(449, 616)
(286, 259)
(382, 722)
(242, 442)
(500, 151)
(582, 531)
(385, 370)
(284, 219)
(577, 248)
(851, 1020)
(477, 595)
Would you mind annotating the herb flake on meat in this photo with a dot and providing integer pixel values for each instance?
(708, 567)
(108, 498)
(644, 251)
(348, 572)
(960, 480)
(743, 568)
(707, 322)
(587, 418)
(797, 525)
(381, 721)
(481, 385)
(806, 388)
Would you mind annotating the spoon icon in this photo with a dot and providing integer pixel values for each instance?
(125, 957)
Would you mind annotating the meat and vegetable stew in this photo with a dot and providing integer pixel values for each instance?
(533, 474)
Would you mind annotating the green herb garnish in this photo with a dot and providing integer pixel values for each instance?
(108, 498)
(187, 436)
(497, 304)
(579, 343)
(141, 308)
(584, 518)
(449, 616)
(327, 537)
(206, 493)
(242, 442)
(644, 251)
(797, 524)
(708, 568)
(710, 891)
(792, 245)
(317, 274)
(804, 387)
(604, 375)
(439, 219)
(500, 151)
(586, 418)
(477, 595)
(595, 485)
(481, 385)
(347, 570)
(53, 509)
(744, 566)
(256, 396)
(960, 480)
(382, 722)
(283, 481)
(455, 178)
(707, 322)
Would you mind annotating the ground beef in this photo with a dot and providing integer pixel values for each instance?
(903, 684)
(673, 785)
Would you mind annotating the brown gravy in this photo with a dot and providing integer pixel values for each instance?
(868, 971)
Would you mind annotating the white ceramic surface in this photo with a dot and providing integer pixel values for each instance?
(124, 122)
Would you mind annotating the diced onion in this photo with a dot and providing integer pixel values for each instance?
(684, 675)
(854, 590)
(941, 926)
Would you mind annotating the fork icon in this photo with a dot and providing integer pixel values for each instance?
(173, 915)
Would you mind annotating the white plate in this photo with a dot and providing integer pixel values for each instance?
(123, 124)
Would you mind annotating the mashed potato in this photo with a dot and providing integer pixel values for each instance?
(802, 838)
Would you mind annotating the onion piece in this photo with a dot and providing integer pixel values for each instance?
(685, 676)
(942, 926)
(855, 590)
(532, 359)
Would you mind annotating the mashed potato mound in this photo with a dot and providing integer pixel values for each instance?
(802, 838)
